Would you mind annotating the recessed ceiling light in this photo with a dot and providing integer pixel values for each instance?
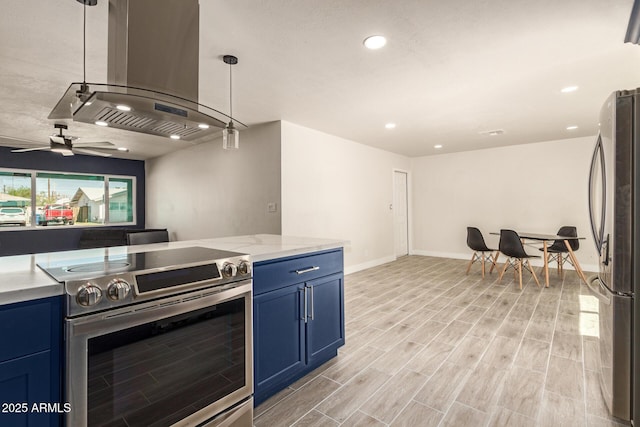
(123, 107)
(175, 137)
(437, 146)
(375, 42)
(390, 126)
(101, 123)
(203, 126)
(123, 149)
(574, 127)
(569, 89)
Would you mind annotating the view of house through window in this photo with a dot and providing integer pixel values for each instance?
(120, 200)
(64, 199)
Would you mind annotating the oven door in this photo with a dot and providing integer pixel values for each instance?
(178, 360)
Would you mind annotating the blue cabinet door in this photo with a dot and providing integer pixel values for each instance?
(25, 382)
(325, 327)
(30, 362)
(278, 330)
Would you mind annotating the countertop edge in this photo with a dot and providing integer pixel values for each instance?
(31, 294)
(294, 252)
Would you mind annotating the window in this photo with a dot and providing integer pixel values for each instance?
(66, 199)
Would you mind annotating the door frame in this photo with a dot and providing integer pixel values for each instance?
(408, 209)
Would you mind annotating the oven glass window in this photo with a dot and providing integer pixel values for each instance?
(161, 372)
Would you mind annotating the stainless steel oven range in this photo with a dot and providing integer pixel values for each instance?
(158, 338)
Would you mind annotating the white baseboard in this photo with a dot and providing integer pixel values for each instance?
(591, 268)
(369, 264)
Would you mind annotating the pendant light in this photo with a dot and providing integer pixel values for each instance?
(230, 135)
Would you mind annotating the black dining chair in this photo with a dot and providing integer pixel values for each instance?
(511, 246)
(558, 251)
(143, 237)
(475, 241)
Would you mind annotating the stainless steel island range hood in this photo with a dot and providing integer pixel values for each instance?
(152, 74)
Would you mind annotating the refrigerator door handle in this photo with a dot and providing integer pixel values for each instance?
(598, 154)
(595, 289)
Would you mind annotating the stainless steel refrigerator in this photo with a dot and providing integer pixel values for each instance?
(613, 183)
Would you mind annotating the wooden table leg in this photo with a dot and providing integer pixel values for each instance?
(546, 263)
(576, 264)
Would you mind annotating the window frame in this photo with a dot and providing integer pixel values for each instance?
(33, 173)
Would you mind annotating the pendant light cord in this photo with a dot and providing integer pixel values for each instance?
(84, 44)
(230, 93)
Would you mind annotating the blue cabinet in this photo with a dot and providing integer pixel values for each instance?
(30, 360)
(298, 312)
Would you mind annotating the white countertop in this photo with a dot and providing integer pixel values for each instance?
(23, 280)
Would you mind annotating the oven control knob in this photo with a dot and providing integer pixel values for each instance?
(118, 289)
(88, 295)
(244, 268)
(229, 270)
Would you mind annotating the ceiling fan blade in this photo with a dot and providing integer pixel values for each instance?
(93, 144)
(24, 150)
(91, 152)
(13, 138)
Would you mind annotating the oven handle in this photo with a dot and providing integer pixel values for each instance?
(139, 314)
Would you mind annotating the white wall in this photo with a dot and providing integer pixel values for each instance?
(205, 191)
(533, 187)
(337, 188)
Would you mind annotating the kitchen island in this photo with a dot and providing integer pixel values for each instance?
(298, 306)
(23, 280)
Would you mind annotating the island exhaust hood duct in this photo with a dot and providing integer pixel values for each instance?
(152, 74)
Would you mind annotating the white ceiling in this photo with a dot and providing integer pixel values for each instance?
(450, 70)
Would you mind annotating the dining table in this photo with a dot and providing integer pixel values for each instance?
(544, 239)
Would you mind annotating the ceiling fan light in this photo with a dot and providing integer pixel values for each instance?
(64, 150)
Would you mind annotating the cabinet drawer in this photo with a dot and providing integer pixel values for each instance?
(278, 273)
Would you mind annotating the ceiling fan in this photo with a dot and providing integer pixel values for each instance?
(66, 145)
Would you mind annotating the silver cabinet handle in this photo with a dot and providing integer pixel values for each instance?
(306, 307)
(306, 270)
(312, 304)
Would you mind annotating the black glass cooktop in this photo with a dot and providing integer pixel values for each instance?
(88, 268)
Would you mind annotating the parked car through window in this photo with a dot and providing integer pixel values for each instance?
(13, 216)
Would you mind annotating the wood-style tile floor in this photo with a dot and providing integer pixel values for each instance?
(427, 345)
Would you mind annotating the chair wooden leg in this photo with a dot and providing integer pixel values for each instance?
(494, 260)
(533, 273)
(506, 263)
(574, 261)
(560, 265)
(546, 263)
(471, 262)
(482, 261)
(520, 272)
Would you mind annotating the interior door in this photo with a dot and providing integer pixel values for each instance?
(400, 213)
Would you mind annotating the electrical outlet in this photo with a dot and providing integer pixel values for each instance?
(272, 207)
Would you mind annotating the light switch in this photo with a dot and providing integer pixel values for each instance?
(272, 207)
